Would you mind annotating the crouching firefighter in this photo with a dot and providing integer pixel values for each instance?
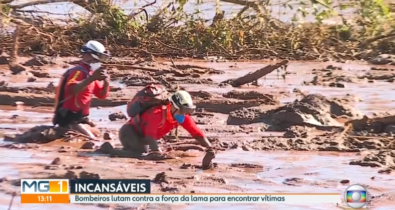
(76, 87)
(153, 114)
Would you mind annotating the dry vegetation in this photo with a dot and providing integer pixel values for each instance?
(251, 33)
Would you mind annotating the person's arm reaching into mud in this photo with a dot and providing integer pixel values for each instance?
(195, 132)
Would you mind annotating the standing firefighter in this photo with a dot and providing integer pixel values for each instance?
(76, 87)
(153, 114)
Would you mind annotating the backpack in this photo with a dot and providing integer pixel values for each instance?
(146, 98)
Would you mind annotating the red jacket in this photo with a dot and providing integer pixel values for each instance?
(82, 100)
(158, 121)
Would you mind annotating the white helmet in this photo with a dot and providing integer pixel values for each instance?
(182, 101)
(97, 50)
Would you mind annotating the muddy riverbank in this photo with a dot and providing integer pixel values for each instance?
(281, 133)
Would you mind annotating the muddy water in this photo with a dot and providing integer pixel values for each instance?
(206, 8)
(319, 172)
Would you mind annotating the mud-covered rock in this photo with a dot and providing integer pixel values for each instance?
(201, 94)
(252, 95)
(138, 80)
(225, 106)
(3, 60)
(39, 134)
(88, 145)
(296, 132)
(313, 109)
(39, 60)
(117, 116)
(31, 79)
(375, 158)
(16, 68)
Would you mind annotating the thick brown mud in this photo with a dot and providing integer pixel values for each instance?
(277, 134)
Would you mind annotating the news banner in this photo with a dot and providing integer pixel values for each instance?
(34, 191)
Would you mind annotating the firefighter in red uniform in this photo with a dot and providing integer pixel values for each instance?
(159, 120)
(78, 84)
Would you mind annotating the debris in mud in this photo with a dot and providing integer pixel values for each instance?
(219, 180)
(372, 76)
(225, 106)
(382, 59)
(345, 181)
(296, 132)
(372, 126)
(39, 134)
(138, 80)
(246, 165)
(246, 148)
(107, 136)
(88, 145)
(160, 177)
(293, 181)
(16, 68)
(87, 175)
(3, 60)
(332, 76)
(201, 94)
(254, 76)
(40, 74)
(313, 110)
(106, 148)
(253, 95)
(31, 79)
(117, 116)
(39, 60)
(56, 161)
(380, 158)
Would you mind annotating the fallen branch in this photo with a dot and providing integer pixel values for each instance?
(253, 76)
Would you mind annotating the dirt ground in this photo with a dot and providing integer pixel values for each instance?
(280, 132)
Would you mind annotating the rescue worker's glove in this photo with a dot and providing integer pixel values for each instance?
(207, 160)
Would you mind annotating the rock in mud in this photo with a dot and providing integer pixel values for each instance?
(70, 175)
(3, 60)
(16, 68)
(87, 175)
(246, 148)
(345, 181)
(56, 161)
(88, 145)
(31, 79)
(107, 136)
(313, 110)
(106, 148)
(40, 74)
(161, 177)
(117, 116)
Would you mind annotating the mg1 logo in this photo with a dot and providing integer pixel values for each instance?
(42, 186)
